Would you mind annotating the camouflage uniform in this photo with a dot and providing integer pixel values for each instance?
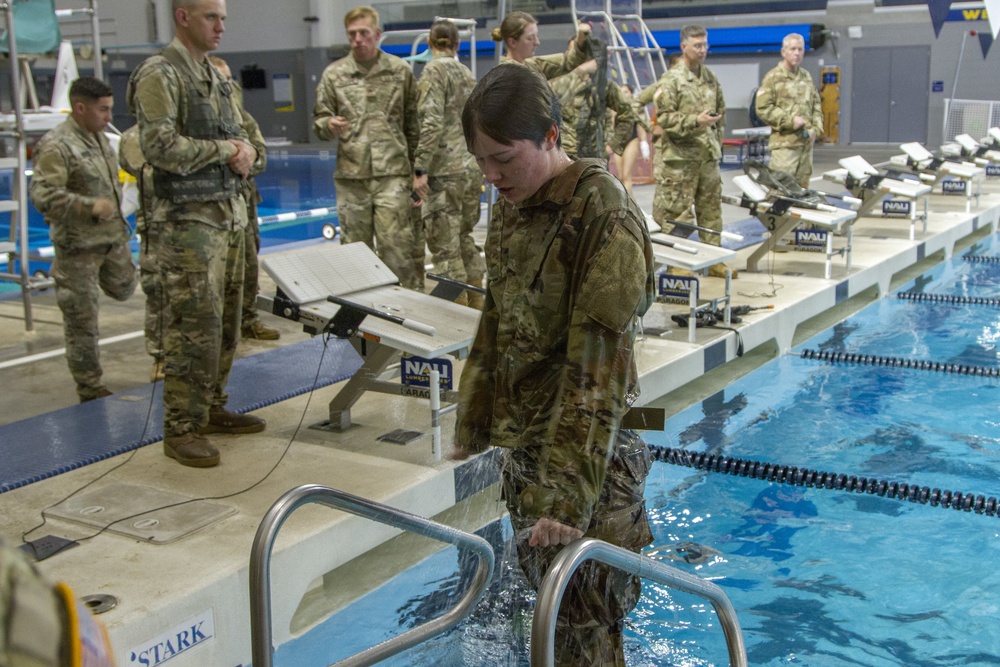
(687, 164)
(74, 168)
(548, 378)
(443, 88)
(251, 241)
(200, 215)
(374, 173)
(558, 70)
(624, 124)
(783, 95)
(131, 160)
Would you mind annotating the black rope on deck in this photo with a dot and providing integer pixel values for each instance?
(982, 259)
(783, 474)
(951, 299)
(897, 362)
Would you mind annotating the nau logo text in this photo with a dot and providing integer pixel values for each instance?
(993, 170)
(953, 187)
(417, 371)
(678, 287)
(189, 634)
(810, 238)
(896, 207)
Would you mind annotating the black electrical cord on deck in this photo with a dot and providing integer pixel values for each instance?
(783, 474)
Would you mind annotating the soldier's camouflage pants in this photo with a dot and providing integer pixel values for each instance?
(376, 211)
(447, 214)
(794, 160)
(472, 255)
(251, 280)
(201, 269)
(157, 311)
(80, 275)
(598, 598)
(681, 184)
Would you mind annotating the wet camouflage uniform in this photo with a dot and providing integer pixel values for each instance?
(558, 70)
(131, 160)
(201, 216)
(251, 241)
(687, 164)
(782, 96)
(549, 376)
(579, 112)
(73, 168)
(444, 86)
(374, 173)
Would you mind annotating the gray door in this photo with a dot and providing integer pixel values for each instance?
(890, 93)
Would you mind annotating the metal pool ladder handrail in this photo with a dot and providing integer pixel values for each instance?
(260, 569)
(543, 625)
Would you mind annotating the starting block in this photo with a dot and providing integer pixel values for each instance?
(781, 215)
(693, 256)
(940, 171)
(968, 148)
(348, 291)
(871, 186)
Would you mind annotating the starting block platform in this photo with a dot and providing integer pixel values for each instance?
(965, 147)
(382, 320)
(872, 186)
(693, 256)
(781, 215)
(938, 171)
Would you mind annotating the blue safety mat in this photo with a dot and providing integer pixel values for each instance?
(56, 442)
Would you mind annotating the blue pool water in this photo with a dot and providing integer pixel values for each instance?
(817, 577)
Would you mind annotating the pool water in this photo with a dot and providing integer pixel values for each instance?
(817, 577)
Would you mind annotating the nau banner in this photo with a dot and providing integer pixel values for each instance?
(678, 287)
(416, 371)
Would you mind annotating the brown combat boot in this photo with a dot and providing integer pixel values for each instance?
(719, 271)
(476, 300)
(221, 420)
(91, 393)
(191, 449)
(260, 331)
(156, 372)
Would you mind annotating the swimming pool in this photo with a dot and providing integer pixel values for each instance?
(818, 577)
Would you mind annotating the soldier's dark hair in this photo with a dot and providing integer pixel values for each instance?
(443, 35)
(689, 31)
(512, 26)
(90, 89)
(511, 103)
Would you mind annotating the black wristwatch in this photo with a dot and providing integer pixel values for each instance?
(419, 172)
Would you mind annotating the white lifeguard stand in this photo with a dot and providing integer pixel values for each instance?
(35, 26)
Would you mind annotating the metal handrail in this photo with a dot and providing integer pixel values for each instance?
(260, 570)
(543, 625)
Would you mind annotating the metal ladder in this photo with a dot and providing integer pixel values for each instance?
(260, 570)
(543, 625)
(16, 247)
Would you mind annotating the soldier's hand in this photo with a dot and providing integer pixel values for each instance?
(103, 208)
(708, 118)
(338, 125)
(547, 532)
(798, 123)
(582, 33)
(588, 68)
(420, 186)
(242, 162)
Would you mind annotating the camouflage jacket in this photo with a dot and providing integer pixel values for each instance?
(443, 88)
(570, 272)
(573, 115)
(557, 69)
(782, 96)
(158, 96)
(256, 139)
(381, 105)
(130, 159)
(73, 168)
(686, 95)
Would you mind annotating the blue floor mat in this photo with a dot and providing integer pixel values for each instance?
(56, 442)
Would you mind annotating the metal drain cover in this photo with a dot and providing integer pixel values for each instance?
(400, 436)
(147, 514)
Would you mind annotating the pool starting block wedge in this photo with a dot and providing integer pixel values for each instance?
(682, 253)
(872, 186)
(939, 171)
(348, 291)
(781, 215)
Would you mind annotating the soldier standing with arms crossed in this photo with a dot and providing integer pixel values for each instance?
(189, 131)
(75, 186)
(692, 113)
(368, 101)
(788, 101)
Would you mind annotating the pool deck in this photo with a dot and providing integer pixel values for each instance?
(202, 578)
